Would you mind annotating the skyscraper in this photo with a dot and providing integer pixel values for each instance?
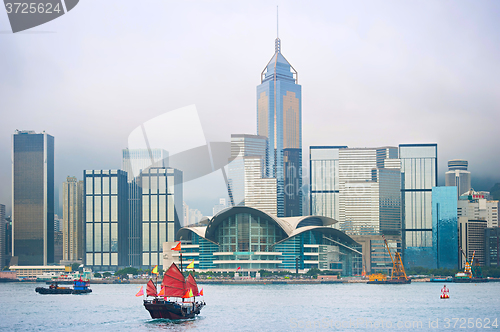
(419, 168)
(458, 176)
(33, 197)
(445, 227)
(72, 220)
(134, 161)
(162, 211)
(279, 118)
(247, 181)
(360, 187)
(3, 227)
(106, 219)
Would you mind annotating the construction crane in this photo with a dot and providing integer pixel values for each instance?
(468, 266)
(398, 270)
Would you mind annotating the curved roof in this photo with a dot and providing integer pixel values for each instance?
(292, 226)
(328, 230)
(226, 213)
(296, 221)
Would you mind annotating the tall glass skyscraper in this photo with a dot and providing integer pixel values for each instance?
(445, 227)
(33, 197)
(279, 118)
(419, 168)
(324, 180)
(162, 211)
(106, 219)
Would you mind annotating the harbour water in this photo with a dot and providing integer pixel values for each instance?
(317, 307)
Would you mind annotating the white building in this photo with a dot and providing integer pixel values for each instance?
(474, 206)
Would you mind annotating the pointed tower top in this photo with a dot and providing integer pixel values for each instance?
(277, 42)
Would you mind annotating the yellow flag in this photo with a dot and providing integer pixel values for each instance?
(190, 292)
(190, 266)
(155, 270)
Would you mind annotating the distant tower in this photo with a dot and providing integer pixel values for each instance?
(3, 238)
(33, 197)
(279, 118)
(72, 220)
(458, 175)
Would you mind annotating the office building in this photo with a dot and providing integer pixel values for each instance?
(358, 187)
(33, 197)
(134, 161)
(471, 240)
(492, 249)
(162, 211)
(72, 229)
(3, 226)
(419, 176)
(248, 183)
(106, 219)
(474, 206)
(219, 207)
(324, 181)
(458, 176)
(279, 119)
(445, 227)
(250, 239)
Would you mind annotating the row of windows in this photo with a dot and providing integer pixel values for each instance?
(103, 259)
(101, 237)
(104, 185)
(101, 208)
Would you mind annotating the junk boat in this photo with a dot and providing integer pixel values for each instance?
(174, 286)
(79, 287)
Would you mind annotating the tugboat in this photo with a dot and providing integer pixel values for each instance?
(79, 287)
(175, 286)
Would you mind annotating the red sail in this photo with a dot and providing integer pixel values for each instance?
(151, 288)
(173, 281)
(191, 284)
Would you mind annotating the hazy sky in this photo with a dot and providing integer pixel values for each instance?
(373, 73)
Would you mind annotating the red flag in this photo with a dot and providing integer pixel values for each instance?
(239, 267)
(140, 292)
(201, 292)
(186, 296)
(162, 292)
(177, 247)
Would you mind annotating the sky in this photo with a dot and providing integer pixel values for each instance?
(373, 73)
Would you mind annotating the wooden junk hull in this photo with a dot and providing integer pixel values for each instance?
(172, 310)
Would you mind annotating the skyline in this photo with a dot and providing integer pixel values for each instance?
(366, 74)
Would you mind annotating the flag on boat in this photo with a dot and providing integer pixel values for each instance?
(239, 267)
(140, 292)
(190, 292)
(191, 265)
(201, 292)
(155, 270)
(177, 247)
(186, 295)
(162, 292)
(151, 288)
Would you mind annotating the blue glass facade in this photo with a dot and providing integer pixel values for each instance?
(445, 227)
(279, 118)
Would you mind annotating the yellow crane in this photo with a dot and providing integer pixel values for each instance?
(398, 270)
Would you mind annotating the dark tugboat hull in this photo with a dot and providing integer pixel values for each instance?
(171, 310)
(390, 282)
(42, 290)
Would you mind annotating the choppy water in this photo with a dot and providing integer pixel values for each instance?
(322, 307)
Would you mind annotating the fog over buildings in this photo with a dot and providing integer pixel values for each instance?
(373, 74)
